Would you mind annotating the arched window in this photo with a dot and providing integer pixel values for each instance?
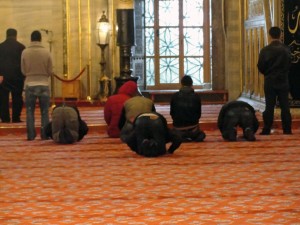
(176, 42)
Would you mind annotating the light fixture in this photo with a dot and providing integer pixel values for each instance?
(103, 29)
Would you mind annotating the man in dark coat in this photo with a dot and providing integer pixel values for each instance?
(234, 114)
(150, 134)
(185, 110)
(11, 77)
(274, 63)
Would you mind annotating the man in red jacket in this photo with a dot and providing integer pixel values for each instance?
(114, 105)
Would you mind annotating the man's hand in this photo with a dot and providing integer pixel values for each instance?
(1, 79)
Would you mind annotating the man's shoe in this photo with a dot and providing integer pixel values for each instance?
(249, 134)
(200, 137)
(6, 120)
(232, 135)
(265, 132)
(17, 121)
(287, 132)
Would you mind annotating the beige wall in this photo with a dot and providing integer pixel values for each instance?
(75, 37)
(30, 15)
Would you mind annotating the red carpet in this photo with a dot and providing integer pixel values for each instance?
(100, 181)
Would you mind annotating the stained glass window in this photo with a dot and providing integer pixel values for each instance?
(174, 41)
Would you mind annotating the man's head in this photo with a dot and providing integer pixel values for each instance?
(151, 148)
(65, 136)
(11, 33)
(275, 32)
(186, 81)
(36, 36)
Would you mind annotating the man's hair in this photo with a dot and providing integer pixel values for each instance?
(149, 148)
(11, 32)
(36, 36)
(186, 81)
(275, 32)
(65, 136)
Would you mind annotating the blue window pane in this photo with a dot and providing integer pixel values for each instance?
(193, 41)
(168, 13)
(149, 38)
(193, 13)
(169, 70)
(149, 13)
(169, 42)
(194, 68)
(150, 71)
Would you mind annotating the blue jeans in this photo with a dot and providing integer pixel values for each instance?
(32, 93)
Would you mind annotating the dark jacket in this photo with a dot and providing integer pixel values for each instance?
(150, 134)
(243, 106)
(185, 107)
(114, 105)
(10, 59)
(274, 63)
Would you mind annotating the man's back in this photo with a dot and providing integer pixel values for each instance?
(137, 105)
(65, 124)
(10, 59)
(36, 60)
(185, 107)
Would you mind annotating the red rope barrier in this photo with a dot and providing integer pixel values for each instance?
(64, 80)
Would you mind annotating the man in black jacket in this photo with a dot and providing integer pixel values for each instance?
(274, 63)
(234, 114)
(150, 134)
(11, 77)
(185, 110)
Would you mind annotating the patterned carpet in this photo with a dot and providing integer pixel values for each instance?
(100, 181)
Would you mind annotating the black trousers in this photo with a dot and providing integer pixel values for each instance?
(15, 88)
(237, 117)
(272, 95)
(148, 137)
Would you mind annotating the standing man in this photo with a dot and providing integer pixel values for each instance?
(185, 110)
(36, 64)
(11, 77)
(274, 63)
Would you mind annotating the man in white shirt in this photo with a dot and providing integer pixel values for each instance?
(36, 65)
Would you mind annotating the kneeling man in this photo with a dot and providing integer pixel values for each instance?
(237, 113)
(150, 134)
(66, 126)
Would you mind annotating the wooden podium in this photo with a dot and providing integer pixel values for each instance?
(71, 90)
